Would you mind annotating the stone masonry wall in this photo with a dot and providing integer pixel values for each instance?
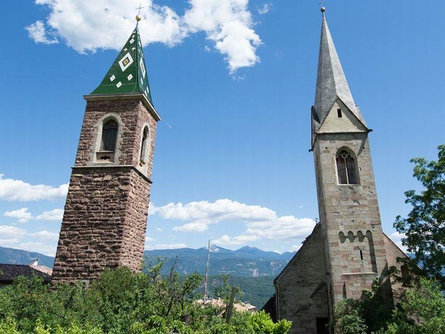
(349, 211)
(133, 115)
(301, 289)
(106, 210)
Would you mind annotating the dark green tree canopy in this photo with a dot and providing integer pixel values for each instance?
(424, 226)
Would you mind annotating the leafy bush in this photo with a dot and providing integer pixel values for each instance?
(348, 317)
(121, 301)
(421, 310)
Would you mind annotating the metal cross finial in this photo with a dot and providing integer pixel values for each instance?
(138, 17)
(323, 8)
(139, 8)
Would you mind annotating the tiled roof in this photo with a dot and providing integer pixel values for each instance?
(128, 74)
(9, 272)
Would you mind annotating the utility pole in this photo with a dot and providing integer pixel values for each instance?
(206, 280)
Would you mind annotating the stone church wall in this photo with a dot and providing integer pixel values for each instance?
(301, 291)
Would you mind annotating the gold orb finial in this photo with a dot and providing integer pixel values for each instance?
(323, 9)
(138, 18)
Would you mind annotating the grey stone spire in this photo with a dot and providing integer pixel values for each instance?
(331, 81)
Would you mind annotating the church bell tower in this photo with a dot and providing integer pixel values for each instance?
(353, 240)
(105, 217)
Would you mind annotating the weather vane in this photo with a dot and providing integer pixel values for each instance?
(138, 17)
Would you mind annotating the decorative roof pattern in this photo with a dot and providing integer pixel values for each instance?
(331, 81)
(128, 74)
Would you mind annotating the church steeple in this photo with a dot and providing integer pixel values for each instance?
(331, 81)
(105, 216)
(128, 74)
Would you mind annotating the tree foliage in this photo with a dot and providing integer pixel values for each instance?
(421, 310)
(424, 226)
(121, 301)
(348, 317)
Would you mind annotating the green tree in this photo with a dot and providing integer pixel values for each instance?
(348, 317)
(424, 226)
(421, 310)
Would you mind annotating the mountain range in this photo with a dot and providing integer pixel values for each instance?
(244, 262)
(250, 268)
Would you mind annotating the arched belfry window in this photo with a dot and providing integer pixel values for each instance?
(143, 156)
(109, 135)
(346, 167)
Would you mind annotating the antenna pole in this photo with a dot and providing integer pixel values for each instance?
(207, 271)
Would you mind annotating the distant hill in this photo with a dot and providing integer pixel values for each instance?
(17, 256)
(250, 268)
(244, 262)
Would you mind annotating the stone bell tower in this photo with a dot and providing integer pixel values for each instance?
(354, 245)
(106, 209)
(347, 250)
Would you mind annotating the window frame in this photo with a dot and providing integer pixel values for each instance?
(347, 171)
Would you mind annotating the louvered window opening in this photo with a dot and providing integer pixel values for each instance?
(109, 136)
(346, 169)
(143, 158)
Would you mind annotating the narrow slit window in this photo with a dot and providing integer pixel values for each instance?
(361, 255)
(109, 136)
(346, 168)
(143, 155)
(339, 114)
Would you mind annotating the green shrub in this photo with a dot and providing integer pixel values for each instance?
(121, 301)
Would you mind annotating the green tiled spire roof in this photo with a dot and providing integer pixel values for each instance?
(128, 74)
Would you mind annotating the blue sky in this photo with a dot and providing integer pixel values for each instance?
(234, 81)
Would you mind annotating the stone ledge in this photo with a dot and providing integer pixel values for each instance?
(114, 166)
(358, 274)
(140, 96)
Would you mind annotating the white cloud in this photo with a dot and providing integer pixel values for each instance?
(45, 235)
(11, 236)
(39, 34)
(11, 232)
(203, 213)
(237, 240)
(229, 24)
(17, 190)
(167, 246)
(264, 9)
(261, 223)
(40, 247)
(8, 242)
(23, 215)
(287, 228)
(397, 238)
(88, 25)
(52, 215)
(192, 227)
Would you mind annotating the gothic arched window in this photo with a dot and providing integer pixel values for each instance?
(143, 156)
(109, 135)
(346, 168)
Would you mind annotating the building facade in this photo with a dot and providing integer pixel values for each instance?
(347, 250)
(105, 217)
